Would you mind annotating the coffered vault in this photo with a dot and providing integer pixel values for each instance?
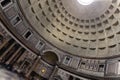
(89, 31)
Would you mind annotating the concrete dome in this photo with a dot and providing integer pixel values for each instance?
(90, 31)
(60, 39)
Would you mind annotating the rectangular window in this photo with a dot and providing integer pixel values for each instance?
(67, 60)
(28, 34)
(11, 12)
(39, 45)
(16, 20)
(5, 2)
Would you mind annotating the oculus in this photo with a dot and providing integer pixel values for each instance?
(85, 2)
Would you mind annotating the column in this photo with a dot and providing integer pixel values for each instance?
(34, 66)
(53, 73)
(2, 57)
(22, 56)
(13, 56)
(4, 43)
(18, 55)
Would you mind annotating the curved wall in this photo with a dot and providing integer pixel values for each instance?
(22, 30)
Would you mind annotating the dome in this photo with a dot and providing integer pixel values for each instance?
(83, 30)
(60, 39)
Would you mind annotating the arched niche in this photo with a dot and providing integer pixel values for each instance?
(50, 57)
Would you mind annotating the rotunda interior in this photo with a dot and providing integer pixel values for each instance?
(60, 39)
(82, 30)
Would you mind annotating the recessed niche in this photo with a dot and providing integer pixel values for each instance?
(39, 45)
(40, 6)
(5, 2)
(54, 35)
(49, 9)
(112, 46)
(111, 17)
(75, 46)
(73, 30)
(68, 43)
(47, 3)
(64, 33)
(117, 11)
(111, 7)
(16, 20)
(61, 40)
(116, 23)
(28, 34)
(32, 9)
(48, 31)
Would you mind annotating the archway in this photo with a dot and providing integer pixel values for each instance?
(50, 57)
